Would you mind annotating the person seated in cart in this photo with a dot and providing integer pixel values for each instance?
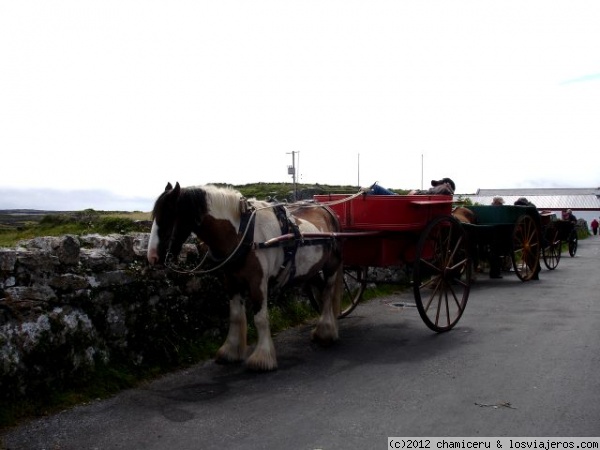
(569, 216)
(522, 201)
(445, 186)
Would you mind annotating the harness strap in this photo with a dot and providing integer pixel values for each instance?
(247, 221)
(288, 269)
(245, 233)
(290, 245)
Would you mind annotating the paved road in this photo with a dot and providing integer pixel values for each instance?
(523, 361)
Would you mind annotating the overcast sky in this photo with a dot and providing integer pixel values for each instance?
(120, 97)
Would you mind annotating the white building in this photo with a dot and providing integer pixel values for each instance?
(584, 202)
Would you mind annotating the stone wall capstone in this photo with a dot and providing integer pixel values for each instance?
(69, 305)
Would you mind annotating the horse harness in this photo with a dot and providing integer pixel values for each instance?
(290, 246)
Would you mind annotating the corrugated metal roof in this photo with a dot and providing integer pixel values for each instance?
(539, 191)
(577, 199)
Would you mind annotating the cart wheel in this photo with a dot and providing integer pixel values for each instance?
(525, 248)
(552, 252)
(573, 243)
(355, 282)
(442, 273)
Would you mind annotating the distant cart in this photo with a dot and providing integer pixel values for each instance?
(556, 232)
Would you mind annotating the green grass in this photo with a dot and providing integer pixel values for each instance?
(383, 290)
(78, 223)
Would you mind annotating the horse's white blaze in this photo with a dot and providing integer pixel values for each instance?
(152, 254)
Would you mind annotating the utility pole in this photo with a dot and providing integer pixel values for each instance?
(358, 172)
(421, 171)
(292, 172)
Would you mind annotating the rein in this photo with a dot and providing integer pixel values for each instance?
(248, 214)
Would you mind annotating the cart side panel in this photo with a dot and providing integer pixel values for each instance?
(496, 237)
(378, 251)
(387, 212)
(494, 215)
(564, 228)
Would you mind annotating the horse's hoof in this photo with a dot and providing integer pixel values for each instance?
(224, 356)
(323, 341)
(255, 365)
(262, 360)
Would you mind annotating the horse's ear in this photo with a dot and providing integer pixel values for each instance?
(168, 187)
(177, 189)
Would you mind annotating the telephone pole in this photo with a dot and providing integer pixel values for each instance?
(358, 172)
(292, 172)
(421, 170)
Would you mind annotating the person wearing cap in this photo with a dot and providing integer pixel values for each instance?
(568, 215)
(522, 201)
(445, 186)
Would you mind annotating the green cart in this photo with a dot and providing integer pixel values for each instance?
(507, 232)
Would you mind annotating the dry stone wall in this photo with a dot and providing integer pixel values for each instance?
(70, 305)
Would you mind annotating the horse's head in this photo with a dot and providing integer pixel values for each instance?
(171, 226)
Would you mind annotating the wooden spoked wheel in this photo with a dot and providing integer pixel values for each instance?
(355, 282)
(525, 248)
(552, 251)
(442, 273)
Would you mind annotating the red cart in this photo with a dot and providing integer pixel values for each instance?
(416, 232)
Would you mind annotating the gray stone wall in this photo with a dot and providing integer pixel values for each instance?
(70, 305)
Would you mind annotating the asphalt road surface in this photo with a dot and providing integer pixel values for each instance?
(524, 360)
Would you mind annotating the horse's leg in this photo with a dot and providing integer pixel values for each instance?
(326, 331)
(263, 357)
(234, 347)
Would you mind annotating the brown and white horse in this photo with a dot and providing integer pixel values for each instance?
(233, 229)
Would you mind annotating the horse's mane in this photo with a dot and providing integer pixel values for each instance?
(221, 200)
